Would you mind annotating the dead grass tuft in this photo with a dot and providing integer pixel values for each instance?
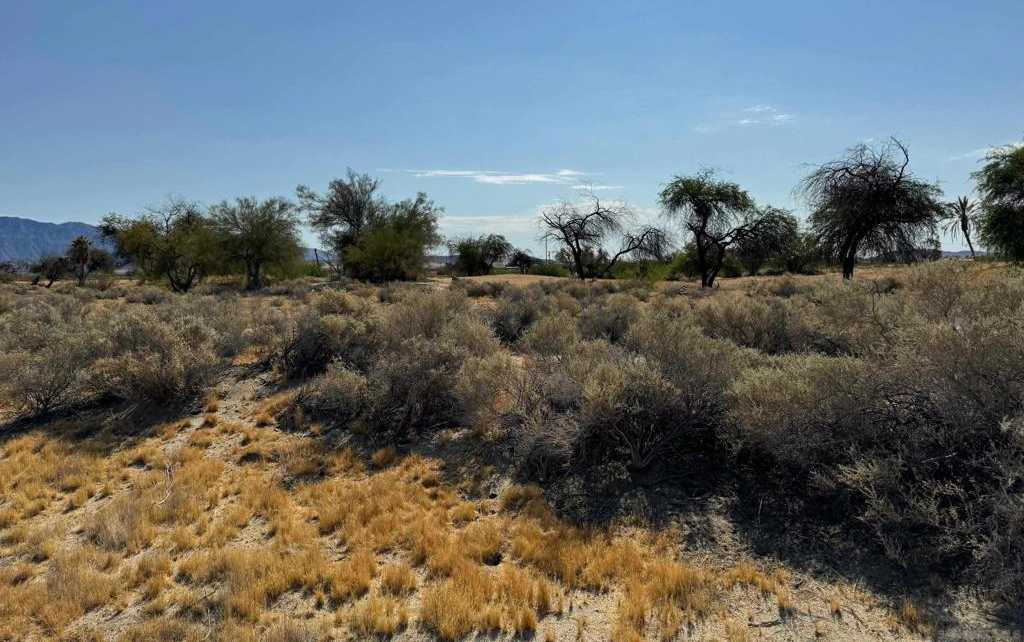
(378, 615)
(384, 457)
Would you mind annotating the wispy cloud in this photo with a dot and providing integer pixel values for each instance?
(587, 187)
(492, 177)
(755, 115)
(982, 152)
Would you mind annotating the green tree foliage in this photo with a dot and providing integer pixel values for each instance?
(1001, 185)
(719, 215)
(258, 234)
(869, 204)
(475, 256)
(175, 241)
(370, 238)
(393, 246)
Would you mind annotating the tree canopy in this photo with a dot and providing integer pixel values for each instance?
(474, 256)
(175, 241)
(869, 203)
(370, 238)
(349, 207)
(258, 234)
(1001, 186)
(719, 214)
(393, 246)
(960, 218)
(774, 241)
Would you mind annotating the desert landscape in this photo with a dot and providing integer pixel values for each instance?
(640, 321)
(512, 456)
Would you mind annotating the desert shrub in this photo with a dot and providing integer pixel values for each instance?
(47, 379)
(912, 441)
(955, 291)
(783, 287)
(70, 350)
(803, 409)
(998, 553)
(311, 342)
(340, 395)
(332, 301)
(774, 326)
(153, 359)
(517, 310)
(544, 449)
(471, 334)
(423, 314)
(412, 389)
(483, 385)
(630, 413)
(551, 336)
(700, 367)
(480, 288)
(148, 294)
(609, 319)
(854, 318)
(296, 288)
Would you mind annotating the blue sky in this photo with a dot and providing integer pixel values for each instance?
(493, 109)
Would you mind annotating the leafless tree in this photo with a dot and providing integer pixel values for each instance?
(583, 229)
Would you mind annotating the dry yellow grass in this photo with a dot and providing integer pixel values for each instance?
(379, 615)
(397, 579)
(177, 526)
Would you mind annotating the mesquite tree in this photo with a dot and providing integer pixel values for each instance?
(869, 203)
(718, 214)
(258, 234)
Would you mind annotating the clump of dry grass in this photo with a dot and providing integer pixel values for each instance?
(378, 615)
(908, 616)
(397, 579)
(351, 578)
(462, 513)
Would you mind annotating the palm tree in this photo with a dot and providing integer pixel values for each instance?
(960, 219)
(78, 255)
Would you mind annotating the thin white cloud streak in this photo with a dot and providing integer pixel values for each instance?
(759, 114)
(982, 152)
(492, 177)
(585, 187)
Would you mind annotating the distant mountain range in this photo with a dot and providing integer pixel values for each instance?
(23, 239)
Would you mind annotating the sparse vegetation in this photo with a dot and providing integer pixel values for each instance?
(345, 461)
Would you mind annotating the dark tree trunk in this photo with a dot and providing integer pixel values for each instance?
(967, 237)
(849, 261)
(702, 264)
(253, 276)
